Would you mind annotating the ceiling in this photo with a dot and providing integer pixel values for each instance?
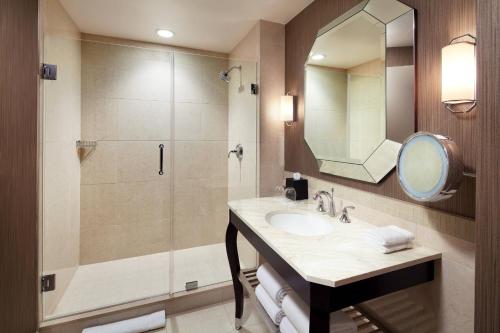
(358, 40)
(215, 25)
(362, 38)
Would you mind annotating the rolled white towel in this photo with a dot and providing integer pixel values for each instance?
(274, 285)
(135, 325)
(273, 310)
(297, 313)
(287, 327)
(388, 236)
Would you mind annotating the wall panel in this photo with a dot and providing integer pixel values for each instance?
(488, 191)
(18, 165)
(437, 23)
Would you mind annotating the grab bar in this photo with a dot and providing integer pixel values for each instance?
(161, 159)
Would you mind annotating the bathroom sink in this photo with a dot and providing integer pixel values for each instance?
(299, 223)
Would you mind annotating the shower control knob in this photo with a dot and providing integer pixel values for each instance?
(238, 151)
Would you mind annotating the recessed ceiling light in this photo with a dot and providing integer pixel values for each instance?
(318, 56)
(164, 33)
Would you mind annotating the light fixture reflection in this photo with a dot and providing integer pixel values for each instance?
(318, 56)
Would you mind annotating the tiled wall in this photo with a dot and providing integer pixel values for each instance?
(272, 84)
(61, 166)
(325, 129)
(132, 102)
(201, 140)
(243, 118)
(254, 119)
(447, 303)
(265, 45)
(126, 108)
(366, 119)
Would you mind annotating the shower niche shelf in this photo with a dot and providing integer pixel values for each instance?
(85, 149)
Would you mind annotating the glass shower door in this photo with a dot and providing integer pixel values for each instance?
(106, 205)
(211, 117)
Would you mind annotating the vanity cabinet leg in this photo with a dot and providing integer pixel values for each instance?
(319, 321)
(319, 309)
(234, 264)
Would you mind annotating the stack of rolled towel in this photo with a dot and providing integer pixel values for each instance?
(289, 312)
(270, 292)
(297, 318)
(390, 238)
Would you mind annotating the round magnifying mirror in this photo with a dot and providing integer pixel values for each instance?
(429, 167)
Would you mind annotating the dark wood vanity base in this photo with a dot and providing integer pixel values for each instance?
(322, 299)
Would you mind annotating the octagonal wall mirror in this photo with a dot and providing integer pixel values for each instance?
(360, 90)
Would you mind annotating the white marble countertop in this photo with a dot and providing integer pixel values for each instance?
(336, 259)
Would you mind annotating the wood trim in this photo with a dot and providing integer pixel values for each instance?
(437, 23)
(487, 297)
(18, 166)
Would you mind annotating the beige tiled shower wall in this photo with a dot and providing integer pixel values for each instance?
(443, 305)
(126, 108)
(254, 120)
(264, 45)
(271, 128)
(61, 166)
(200, 145)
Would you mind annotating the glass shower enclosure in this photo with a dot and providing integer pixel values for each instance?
(135, 168)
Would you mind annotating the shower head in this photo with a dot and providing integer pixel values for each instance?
(224, 75)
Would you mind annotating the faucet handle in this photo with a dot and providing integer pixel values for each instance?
(345, 209)
(321, 203)
(344, 218)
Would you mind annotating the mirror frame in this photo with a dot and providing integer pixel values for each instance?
(384, 158)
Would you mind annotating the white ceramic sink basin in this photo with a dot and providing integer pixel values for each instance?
(298, 223)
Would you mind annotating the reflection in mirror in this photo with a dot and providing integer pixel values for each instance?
(345, 99)
(359, 90)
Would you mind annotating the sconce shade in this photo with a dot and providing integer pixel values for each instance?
(458, 76)
(287, 108)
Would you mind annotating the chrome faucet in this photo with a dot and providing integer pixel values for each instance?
(344, 218)
(321, 203)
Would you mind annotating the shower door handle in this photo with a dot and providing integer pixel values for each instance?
(161, 160)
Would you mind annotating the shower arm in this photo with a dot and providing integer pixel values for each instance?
(233, 67)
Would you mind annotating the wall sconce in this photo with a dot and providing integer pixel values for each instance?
(458, 74)
(287, 114)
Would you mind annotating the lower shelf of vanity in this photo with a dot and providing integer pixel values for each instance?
(249, 280)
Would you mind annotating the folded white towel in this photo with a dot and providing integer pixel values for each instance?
(287, 327)
(272, 309)
(394, 248)
(297, 313)
(135, 325)
(390, 235)
(275, 286)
